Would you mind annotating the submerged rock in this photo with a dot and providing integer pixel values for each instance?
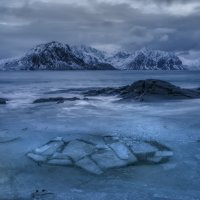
(96, 154)
(147, 90)
(55, 99)
(3, 101)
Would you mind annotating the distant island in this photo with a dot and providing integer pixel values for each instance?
(58, 56)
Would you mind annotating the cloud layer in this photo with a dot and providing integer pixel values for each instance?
(171, 25)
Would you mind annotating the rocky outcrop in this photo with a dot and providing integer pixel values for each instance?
(3, 101)
(96, 154)
(148, 90)
(55, 99)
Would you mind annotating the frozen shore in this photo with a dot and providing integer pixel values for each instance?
(25, 126)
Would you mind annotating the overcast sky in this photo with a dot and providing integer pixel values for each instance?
(171, 25)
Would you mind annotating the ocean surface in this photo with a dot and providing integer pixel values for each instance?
(174, 123)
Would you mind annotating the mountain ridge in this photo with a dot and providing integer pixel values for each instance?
(58, 56)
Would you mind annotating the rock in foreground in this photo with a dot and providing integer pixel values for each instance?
(148, 90)
(3, 101)
(55, 99)
(96, 154)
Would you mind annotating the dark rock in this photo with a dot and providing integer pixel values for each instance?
(45, 100)
(148, 90)
(61, 101)
(55, 99)
(72, 99)
(65, 91)
(102, 91)
(3, 101)
(70, 90)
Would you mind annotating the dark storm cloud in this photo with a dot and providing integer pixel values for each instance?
(24, 24)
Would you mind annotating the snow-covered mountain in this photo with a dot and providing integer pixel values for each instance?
(48, 56)
(146, 59)
(58, 56)
(51, 56)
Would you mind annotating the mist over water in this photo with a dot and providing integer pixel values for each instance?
(174, 123)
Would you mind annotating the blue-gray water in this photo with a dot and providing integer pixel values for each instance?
(175, 124)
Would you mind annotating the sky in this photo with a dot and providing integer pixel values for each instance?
(110, 25)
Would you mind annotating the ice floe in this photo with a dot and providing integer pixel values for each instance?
(99, 153)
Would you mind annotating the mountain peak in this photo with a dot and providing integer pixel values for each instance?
(145, 50)
(47, 46)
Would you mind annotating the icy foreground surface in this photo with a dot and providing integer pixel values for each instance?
(25, 126)
(96, 154)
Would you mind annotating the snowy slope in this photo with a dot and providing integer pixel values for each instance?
(90, 55)
(120, 59)
(146, 59)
